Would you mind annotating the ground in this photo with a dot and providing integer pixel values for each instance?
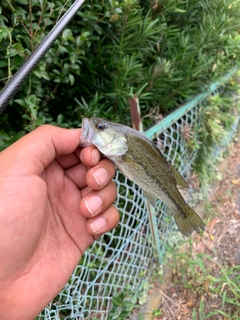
(201, 276)
(204, 277)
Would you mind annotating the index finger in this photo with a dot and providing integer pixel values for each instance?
(89, 156)
(77, 164)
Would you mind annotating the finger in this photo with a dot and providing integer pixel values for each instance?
(38, 149)
(98, 201)
(101, 174)
(104, 222)
(77, 174)
(90, 156)
(69, 160)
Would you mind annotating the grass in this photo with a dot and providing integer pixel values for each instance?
(206, 286)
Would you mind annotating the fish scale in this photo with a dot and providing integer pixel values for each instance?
(144, 177)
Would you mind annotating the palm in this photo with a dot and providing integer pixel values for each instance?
(56, 234)
(45, 223)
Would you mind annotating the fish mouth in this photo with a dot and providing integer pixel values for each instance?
(87, 133)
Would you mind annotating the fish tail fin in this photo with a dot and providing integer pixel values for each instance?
(188, 221)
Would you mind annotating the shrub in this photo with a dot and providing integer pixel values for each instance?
(164, 52)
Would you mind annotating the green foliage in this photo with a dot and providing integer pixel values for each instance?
(163, 52)
(123, 303)
(215, 285)
(212, 130)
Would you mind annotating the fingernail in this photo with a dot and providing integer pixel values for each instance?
(95, 156)
(101, 176)
(98, 224)
(93, 204)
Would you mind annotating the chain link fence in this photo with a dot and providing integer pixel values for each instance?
(122, 258)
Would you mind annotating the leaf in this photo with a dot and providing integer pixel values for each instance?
(22, 1)
(237, 181)
(67, 35)
(85, 34)
(3, 135)
(59, 119)
(21, 102)
(116, 301)
(41, 74)
(3, 63)
(71, 79)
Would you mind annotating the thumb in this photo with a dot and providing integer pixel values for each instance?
(35, 151)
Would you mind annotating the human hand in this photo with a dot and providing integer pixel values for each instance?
(55, 199)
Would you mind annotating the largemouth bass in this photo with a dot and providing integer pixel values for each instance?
(142, 162)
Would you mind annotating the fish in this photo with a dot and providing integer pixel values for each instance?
(139, 159)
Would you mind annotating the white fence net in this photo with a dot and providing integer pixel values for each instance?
(122, 257)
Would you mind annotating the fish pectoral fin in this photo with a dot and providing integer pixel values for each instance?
(126, 169)
(150, 197)
(179, 179)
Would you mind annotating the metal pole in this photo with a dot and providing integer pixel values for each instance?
(137, 124)
(24, 71)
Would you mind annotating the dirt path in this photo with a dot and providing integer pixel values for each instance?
(218, 248)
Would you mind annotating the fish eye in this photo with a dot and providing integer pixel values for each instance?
(100, 126)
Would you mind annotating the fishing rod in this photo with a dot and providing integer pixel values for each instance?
(25, 70)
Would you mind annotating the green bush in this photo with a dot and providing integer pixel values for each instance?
(163, 51)
(215, 130)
